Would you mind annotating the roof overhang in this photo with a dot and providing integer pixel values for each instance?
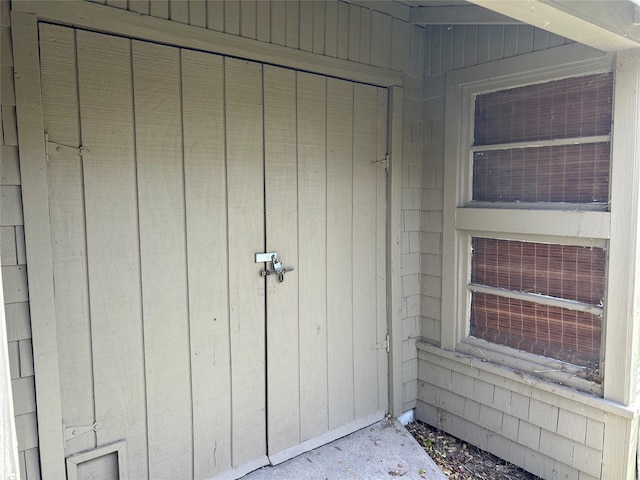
(606, 25)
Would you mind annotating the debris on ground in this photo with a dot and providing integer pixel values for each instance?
(462, 461)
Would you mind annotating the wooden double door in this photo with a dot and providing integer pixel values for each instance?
(168, 170)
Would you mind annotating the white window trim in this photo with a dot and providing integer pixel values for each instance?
(561, 224)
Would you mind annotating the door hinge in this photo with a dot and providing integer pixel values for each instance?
(384, 344)
(74, 431)
(382, 162)
(53, 147)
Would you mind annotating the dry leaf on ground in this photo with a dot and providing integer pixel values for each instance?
(462, 461)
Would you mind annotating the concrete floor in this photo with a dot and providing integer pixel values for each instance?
(383, 451)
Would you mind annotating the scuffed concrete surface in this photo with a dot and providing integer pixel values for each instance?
(383, 451)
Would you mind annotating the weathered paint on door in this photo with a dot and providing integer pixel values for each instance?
(191, 163)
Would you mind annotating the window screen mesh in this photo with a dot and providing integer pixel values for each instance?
(554, 332)
(566, 173)
(571, 171)
(562, 271)
(567, 108)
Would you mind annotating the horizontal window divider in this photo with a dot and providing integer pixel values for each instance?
(542, 143)
(538, 298)
(555, 223)
(575, 241)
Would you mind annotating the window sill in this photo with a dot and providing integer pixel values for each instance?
(518, 379)
(536, 366)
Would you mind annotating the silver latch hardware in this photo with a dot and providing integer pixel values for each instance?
(276, 265)
(383, 344)
(265, 257)
(384, 162)
(72, 432)
(53, 147)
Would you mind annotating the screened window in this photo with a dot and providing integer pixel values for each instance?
(563, 272)
(541, 147)
(544, 143)
(548, 174)
(567, 108)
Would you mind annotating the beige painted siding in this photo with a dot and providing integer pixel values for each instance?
(546, 434)
(14, 270)
(451, 48)
(446, 48)
(330, 28)
(551, 435)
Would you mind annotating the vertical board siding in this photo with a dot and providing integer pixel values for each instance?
(381, 245)
(178, 11)
(365, 36)
(341, 406)
(215, 15)
(385, 41)
(106, 119)
(313, 255)
(354, 33)
(496, 42)
(278, 21)
(232, 17)
(66, 200)
(248, 27)
(292, 23)
(263, 27)
(306, 19)
(206, 207)
(198, 13)
(365, 108)
(319, 26)
(331, 29)
(376, 39)
(118, 4)
(163, 159)
(510, 40)
(159, 8)
(343, 30)
(139, 6)
(245, 183)
(156, 80)
(283, 313)
(334, 28)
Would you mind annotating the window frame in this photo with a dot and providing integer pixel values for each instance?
(549, 223)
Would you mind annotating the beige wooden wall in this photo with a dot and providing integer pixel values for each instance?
(452, 48)
(446, 48)
(330, 28)
(549, 431)
(14, 270)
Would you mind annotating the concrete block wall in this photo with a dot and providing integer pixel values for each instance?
(13, 261)
(552, 435)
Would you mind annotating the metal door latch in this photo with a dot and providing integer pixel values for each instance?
(71, 432)
(276, 265)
